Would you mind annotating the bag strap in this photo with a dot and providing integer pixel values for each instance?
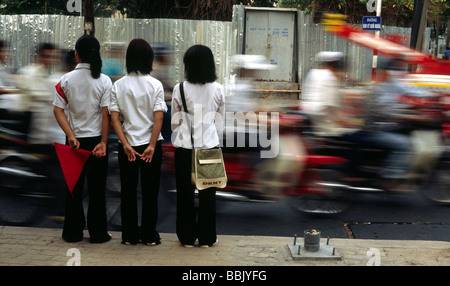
(183, 99)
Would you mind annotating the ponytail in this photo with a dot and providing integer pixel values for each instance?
(88, 48)
(96, 64)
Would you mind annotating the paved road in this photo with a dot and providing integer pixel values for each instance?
(408, 217)
(394, 217)
(369, 217)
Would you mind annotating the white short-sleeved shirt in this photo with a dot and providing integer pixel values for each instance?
(320, 92)
(206, 113)
(83, 97)
(136, 97)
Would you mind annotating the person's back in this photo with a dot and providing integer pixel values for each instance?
(81, 109)
(206, 99)
(383, 118)
(318, 91)
(200, 72)
(321, 97)
(84, 96)
(382, 109)
(132, 91)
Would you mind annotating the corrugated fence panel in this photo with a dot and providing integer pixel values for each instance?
(25, 32)
(313, 39)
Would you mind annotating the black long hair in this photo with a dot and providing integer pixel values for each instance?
(199, 65)
(139, 57)
(88, 48)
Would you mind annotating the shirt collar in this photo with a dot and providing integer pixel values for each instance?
(83, 66)
(138, 73)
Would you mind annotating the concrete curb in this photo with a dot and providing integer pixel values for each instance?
(25, 246)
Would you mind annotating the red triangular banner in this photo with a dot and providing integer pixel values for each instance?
(72, 163)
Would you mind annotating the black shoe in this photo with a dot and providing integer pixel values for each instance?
(208, 245)
(72, 239)
(128, 242)
(152, 239)
(102, 240)
(153, 243)
(72, 236)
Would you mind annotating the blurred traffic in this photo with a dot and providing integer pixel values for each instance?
(386, 135)
(28, 169)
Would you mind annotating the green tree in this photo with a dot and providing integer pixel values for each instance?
(103, 8)
(186, 9)
(32, 7)
(394, 12)
(181, 9)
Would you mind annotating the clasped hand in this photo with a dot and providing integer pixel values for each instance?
(146, 156)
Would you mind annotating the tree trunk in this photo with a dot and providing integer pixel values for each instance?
(88, 11)
(436, 52)
(447, 40)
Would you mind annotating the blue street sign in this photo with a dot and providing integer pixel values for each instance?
(371, 23)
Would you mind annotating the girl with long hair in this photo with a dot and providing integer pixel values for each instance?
(81, 110)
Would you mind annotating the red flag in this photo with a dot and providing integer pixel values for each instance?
(72, 162)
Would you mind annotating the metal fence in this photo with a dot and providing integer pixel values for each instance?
(26, 32)
(313, 39)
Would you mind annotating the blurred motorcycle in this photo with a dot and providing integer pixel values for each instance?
(251, 177)
(327, 185)
(27, 192)
(310, 172)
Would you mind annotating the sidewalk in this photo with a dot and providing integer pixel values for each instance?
(45, 247)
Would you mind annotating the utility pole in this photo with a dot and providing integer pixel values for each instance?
(419, 23)
(377, 9)
(88, 10)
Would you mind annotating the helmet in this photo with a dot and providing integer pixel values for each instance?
(252, 62)
(324, 57)
(391, 64)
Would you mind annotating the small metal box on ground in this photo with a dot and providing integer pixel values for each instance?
(326, 251)
(312, 248)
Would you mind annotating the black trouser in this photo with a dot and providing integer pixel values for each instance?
(189, 226)
(150, 179)
(95, 170)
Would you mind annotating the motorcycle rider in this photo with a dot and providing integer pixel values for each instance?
(6, 82)
(388, 121)
(36, 83)
(323, 102)
(321, 99)
(384, 117)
